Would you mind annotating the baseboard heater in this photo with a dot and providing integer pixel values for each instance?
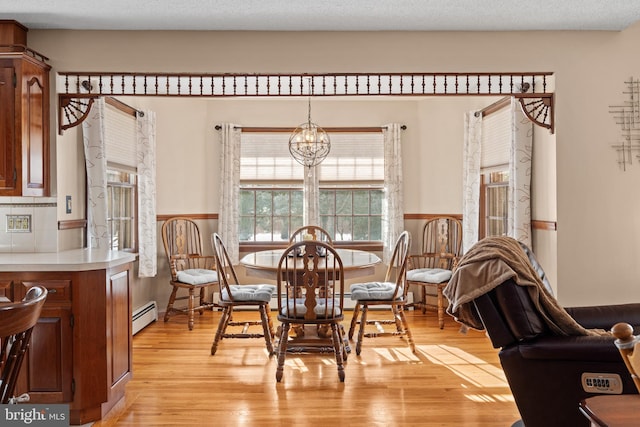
(143, 316)
(349, 304)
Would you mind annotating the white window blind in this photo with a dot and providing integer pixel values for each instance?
(496, 141)
(120, 137)
(353, 157)
(266, 157)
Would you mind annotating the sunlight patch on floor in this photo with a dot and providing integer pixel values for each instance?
(489, 398)
(397, 354)
(296, 363)
(329, 361)
(467, 366)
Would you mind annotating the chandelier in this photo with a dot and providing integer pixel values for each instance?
(309, 144)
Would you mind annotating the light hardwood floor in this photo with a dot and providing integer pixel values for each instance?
(452, 380)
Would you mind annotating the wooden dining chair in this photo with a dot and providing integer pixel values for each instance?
(310, 282)
(313, 232)
(17, 321)
(391, 292)
(440, 250)
(234, 295)
(190, 269)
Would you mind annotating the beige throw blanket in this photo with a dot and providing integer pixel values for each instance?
(489, 263)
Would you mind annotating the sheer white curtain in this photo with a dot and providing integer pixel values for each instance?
(229, 192)
(146, 157)
(311, 208)
(393, 207)
(520, 143)
(520, 175)
(93, 135)
(471, 178)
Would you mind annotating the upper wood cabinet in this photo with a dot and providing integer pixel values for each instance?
(24, 117)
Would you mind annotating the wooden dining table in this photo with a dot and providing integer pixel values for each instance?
(356, 263)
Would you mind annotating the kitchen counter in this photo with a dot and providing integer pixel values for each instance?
(81, 348)
(72, 260)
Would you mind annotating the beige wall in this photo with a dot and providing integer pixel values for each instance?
(597, 203)
(544, 201)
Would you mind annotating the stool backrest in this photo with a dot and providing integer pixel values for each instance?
(16, 324)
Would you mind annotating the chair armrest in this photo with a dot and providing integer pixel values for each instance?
(454, 264)
(417, 261)
(205, 260)
(605, 316)
(575, 348)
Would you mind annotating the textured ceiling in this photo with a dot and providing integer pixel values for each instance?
(325, 15)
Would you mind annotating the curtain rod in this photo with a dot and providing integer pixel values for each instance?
(496, 106)
(125, 108)
(328, 129)
(115, 103)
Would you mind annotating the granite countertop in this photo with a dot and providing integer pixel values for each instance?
(72, 260)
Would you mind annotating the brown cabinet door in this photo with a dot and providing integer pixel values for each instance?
(7, 124)
(35, 130)
(24, 126)
(47, 372)
(49, 368)
(119, 327)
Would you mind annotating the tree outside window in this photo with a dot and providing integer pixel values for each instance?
(121, 210)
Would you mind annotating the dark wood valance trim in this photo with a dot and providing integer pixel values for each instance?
(78, 85)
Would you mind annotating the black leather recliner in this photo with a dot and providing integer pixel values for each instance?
(545, 370)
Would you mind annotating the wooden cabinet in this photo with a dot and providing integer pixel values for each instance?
(48, 370)
(80, 350)
(24, 117)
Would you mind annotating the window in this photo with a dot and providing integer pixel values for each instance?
(494, 169)
(121, 212)
(120, 146)
(350, 193)
(269, 213)
(495, 187)
(352, 214)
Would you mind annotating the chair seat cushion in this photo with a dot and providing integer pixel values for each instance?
(197, 276)
(301, 310)
(249, 292)
(374, 291)
(429, 275)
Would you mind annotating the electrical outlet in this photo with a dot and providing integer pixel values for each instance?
(18, 223)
